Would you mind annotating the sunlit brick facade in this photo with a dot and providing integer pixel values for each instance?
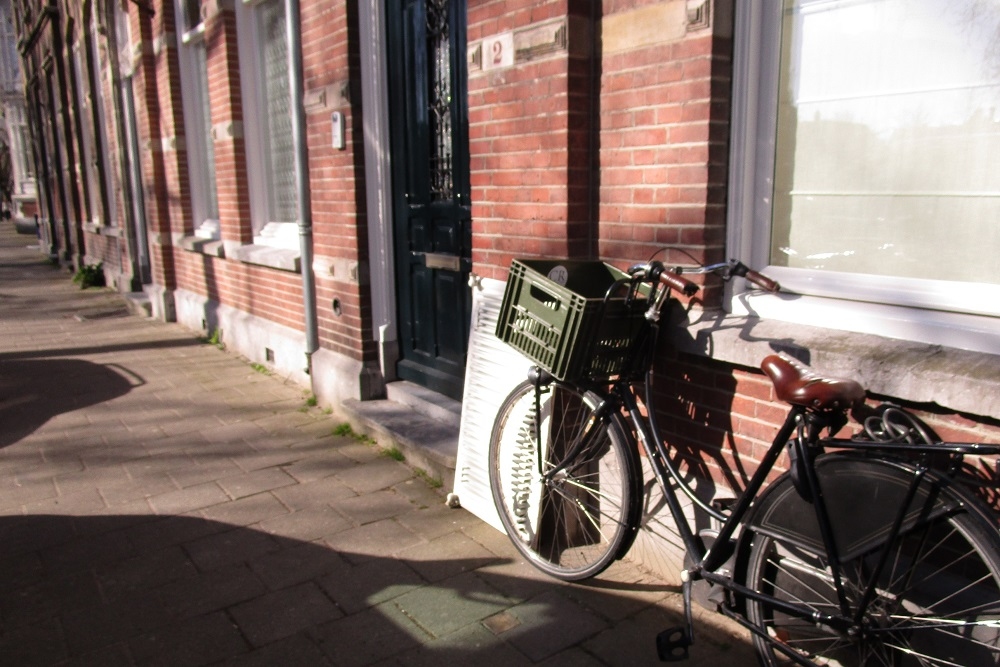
(610, 130)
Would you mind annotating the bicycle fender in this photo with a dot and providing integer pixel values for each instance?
(863, 497)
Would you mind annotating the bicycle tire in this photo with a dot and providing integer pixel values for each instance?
(586, 516)
(937, 601)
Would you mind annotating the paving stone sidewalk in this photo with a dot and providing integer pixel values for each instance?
(164, 503)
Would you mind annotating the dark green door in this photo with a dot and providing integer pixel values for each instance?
(430, 177)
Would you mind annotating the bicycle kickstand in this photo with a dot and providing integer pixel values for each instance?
(672, 644)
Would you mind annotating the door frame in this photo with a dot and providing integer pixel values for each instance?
(374, 52)
(378, 179)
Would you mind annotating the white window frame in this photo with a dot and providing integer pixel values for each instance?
(962, 315)
(205, 216)
(275, 233)
(88, 159)
(110, 211)
(21, 136)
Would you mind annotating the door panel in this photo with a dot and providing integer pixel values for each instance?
(430, 189)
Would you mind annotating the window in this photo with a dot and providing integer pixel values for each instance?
(97, 119)
(864, 136)
(23, 139)
(10, 61)
(268, 121)
(88, 157)
(198, 120)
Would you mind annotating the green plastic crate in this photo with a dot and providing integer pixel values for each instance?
(554, 312)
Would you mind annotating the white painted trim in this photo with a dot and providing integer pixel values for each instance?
(375, 101)
(959, 315)
(254, 133)
(194, 135)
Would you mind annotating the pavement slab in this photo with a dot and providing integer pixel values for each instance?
(164, 503)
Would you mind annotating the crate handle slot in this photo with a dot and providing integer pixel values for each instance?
(544, 297)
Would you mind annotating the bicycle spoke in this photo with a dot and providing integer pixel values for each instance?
(936, 603)
(793, 574)
(564, 482)
(594, 493)
(937, 572)
(584, 511)
(920, 555)
(924, 658)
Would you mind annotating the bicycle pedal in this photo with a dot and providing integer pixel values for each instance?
(672, 644)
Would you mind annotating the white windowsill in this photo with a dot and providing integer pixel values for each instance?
(278, 235)
(976, 333)
(210, 230)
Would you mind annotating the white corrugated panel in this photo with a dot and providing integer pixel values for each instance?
(493, 369)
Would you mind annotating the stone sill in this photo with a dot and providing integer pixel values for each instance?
(282, 259)
(960, 380)
(102, 230)
(212, 247)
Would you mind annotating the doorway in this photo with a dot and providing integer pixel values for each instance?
(430, 189)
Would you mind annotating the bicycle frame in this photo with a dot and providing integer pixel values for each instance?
(912, 487)
(800, 431)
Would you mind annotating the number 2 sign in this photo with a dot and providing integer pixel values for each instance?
(498, 51)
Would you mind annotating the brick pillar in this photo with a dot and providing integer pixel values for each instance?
(156, 89)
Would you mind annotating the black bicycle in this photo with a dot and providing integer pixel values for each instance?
(872, 550)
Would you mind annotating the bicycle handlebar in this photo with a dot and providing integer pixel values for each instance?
(675, 281)
(758, 279)
(655, 271)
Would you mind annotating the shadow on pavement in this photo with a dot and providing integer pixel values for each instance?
(33, 391)
(148, 590)
(164, 344)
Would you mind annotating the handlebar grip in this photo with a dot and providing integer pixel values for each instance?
(762, 281)
(674, 281)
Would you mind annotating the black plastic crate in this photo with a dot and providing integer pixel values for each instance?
(556, 313)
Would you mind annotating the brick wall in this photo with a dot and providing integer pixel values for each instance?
(232, 183)
(530, 139)
(331, 70)
(721, 419)
(110, 248)
(664, 138)
(104, 249)
(662, 151)
(599, 139)
(560, 171)
(330, 48)
(156, 111)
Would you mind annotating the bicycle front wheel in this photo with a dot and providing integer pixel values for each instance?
(936, 601)
(566, 484)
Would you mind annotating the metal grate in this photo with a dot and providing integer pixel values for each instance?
(439, 51)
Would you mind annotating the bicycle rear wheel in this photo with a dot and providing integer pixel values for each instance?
(936, 602)
(577, 521)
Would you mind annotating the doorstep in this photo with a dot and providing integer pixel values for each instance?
(421, 424)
